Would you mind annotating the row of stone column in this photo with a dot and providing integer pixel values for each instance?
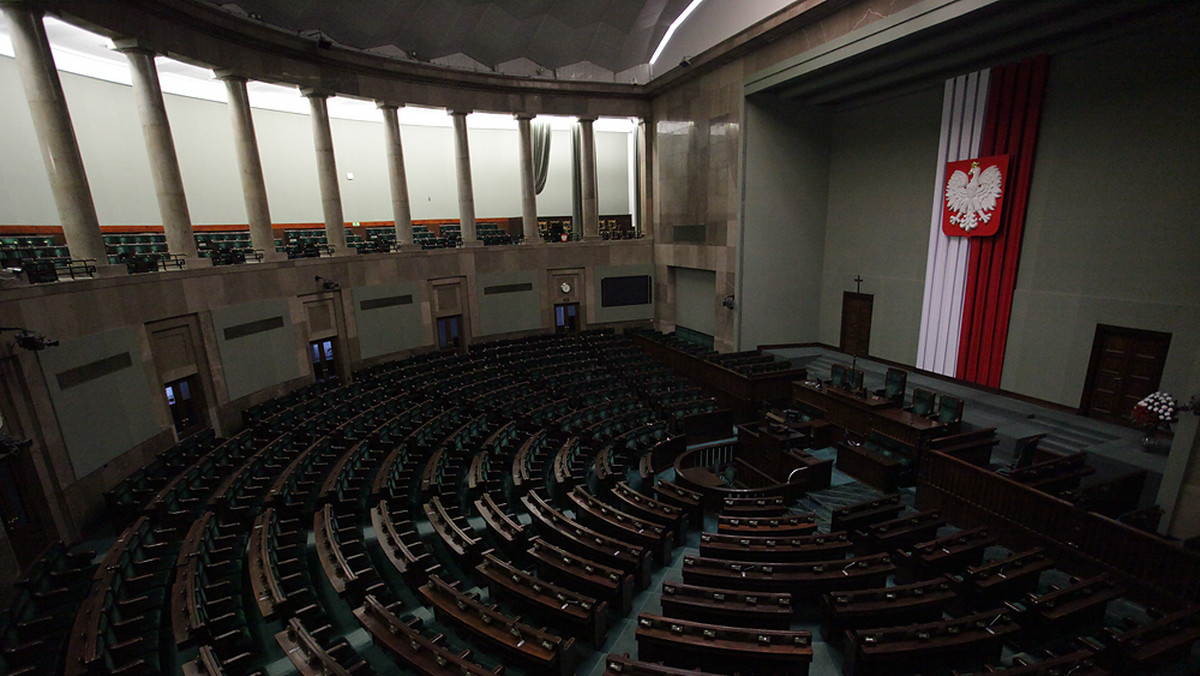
(72, 194)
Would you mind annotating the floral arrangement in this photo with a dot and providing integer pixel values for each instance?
(1159, 409)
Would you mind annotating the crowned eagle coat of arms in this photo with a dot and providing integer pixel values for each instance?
(974, 196)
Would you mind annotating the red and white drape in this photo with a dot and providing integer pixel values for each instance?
(969, 283)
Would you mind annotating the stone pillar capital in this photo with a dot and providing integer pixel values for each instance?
(524, 116)
(457, 112)
(316, 93)
(229, 75)
(133, 46)
(388, 105)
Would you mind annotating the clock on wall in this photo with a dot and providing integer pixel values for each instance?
(565, 286)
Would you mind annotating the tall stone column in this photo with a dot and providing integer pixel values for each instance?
(254, 187)
(55, 134)
(160, 147)
(529, 223)
(327, 176)
(587, 175)
(466, 194)
(401, 209)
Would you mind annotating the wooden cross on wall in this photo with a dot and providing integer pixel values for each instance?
(858, 280)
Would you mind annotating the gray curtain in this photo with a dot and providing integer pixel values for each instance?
(541, 155)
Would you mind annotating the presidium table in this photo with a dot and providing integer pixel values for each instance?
(865, 416)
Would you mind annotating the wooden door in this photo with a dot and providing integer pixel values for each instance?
(1125, 366)
(28, 529)
(856, 323)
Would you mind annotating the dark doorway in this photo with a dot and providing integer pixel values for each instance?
(26, 528)
(856, 323)
(450, 332)
(566, 318)
(324, 359)
(1126, 365)
(184, 401)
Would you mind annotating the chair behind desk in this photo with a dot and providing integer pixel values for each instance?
(922, 401)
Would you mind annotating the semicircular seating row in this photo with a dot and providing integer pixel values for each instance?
(469, 513)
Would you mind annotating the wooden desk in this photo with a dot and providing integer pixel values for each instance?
(805, 581)
(866, 415)
(883, 607)
(404, 641)
(862, 514)
(1155, 644)
(992, 583)
(1071, 608)
(681, 643)
(264, 580)
(617, 524)
(523, 643)
(949, 554)
(555, 527)
(628, 500)
(581, 575)
(960, 642)
(783, 526)
(689, 502)
(402, 546)
(727, 606)
(819, 547)
(306, 653)
(624, 665)
(579, 614)
(510, 531)
(461, 543)
(901, 532)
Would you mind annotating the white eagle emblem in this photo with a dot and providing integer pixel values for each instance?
(971, 200)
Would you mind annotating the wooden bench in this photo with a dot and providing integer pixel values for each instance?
(818, 547)
(682, 643)
(727, 606)
(404, 640)
(579, 614)
(526, 645)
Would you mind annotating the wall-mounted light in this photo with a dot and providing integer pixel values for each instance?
(728, 302)
(30, 340)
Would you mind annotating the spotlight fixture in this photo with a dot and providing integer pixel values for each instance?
(30, 340)
(728, 302)
(326, 283)
(685, 62)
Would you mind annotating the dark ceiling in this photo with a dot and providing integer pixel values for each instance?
(613, 34)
